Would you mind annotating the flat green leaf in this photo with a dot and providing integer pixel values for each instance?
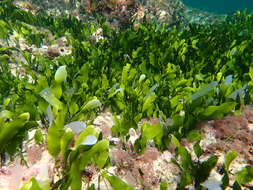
(57, 90)
(186, 160)
(239, 92)
(65, 141)
(135, 53)
(100, 153)
(55, 132)
(150, 131)
(228, 79)
(216, 112)
(76, 126)
(205, 169)
(225, 180)
(92, 104)
(194, 135)
(4, 29)
(245, 175)
(204, 91)
(38, 137)
(5, 114)
(175, 141)
(185, 179)
(50, 98)
(152, 58)
(105, 82)
(53, 140)
(6, 102)
(229, 157)
(50, 115)
(82, 138)
(148, 102)
(75, 173)
(142, 78)
(197, 149)
(60, 74)
(124, 75)
(89, 140)
(251, 73)
(73, 108)
(10, 129)
(236, 186)
(33, 184)
(117, 183)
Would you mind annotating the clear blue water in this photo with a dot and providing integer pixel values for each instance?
(220, 6)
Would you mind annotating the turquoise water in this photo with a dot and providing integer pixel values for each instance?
(220, 6)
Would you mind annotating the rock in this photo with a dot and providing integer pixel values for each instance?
(105, 122)
(53, 51)
(248, 112)
(16, 173)
(213, 182)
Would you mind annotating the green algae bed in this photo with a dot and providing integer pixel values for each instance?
(179, 75)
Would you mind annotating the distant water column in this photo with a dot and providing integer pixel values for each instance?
(220, 6)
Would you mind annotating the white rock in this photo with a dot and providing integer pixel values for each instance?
(250, 126)
(133, 136)
(213, 182)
